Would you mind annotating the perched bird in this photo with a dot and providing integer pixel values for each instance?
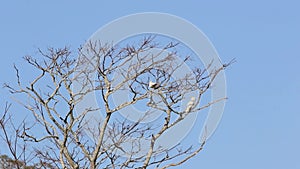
(153, 85)
(190, 105)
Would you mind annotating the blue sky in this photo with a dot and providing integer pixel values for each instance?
(261, 124)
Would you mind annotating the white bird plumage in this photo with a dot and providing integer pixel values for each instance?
(153, 85)
(190, 104)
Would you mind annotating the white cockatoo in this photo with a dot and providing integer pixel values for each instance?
(153, 85)
(190, 105)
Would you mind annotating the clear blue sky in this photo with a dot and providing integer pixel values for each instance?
(260, 128)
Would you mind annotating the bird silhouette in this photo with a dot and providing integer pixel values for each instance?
(153, 85)
(190, 104)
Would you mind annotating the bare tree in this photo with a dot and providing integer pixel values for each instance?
(61, 134)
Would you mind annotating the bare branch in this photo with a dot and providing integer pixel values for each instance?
(65, 133)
